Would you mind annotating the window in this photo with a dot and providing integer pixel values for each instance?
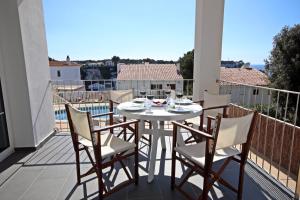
(58, 73)
(156, 86)
(255, 91)
(173, 86)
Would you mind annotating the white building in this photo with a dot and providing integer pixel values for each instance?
(150, 77)
(109, 63)
(64, 70)
(230, 78)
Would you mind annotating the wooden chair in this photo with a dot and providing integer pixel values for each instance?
(200, 157)
(108, 149)
(117, 97)
(212, 105)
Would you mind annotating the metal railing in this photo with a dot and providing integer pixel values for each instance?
(87, 90)
(93, 95)
(275, 145)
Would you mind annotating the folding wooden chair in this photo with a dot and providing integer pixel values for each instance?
(117, 97)
(108, 149)
(212, 105)
(221, 145)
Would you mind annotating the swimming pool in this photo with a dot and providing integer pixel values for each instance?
(94, 110)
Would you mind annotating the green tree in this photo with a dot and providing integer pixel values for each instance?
(283, 68)
(283, 65)
(115, 60)
(187, 65)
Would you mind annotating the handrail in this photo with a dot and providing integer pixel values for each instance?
(262, 87)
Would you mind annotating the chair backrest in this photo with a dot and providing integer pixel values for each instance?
(234, 131)
(79, 122)
(212, 100)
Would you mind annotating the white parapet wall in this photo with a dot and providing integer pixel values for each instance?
(25, 72)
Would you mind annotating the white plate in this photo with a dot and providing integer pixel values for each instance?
(183, 102)
(139, 100)
(134, 107)
(182, 110)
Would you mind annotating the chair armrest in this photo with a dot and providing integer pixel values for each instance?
(114, 102)
(210, 118)
(111, 127)
(224, 107)
(201, 133)
(201, 102)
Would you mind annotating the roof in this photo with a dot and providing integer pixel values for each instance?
(249, 76)
(149, 72)
(63, 64)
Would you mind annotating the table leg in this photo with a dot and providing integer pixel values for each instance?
(141, 129)
(180, 140)
(155, 136)
(162, 137)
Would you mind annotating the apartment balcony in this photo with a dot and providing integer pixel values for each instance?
(271, 170)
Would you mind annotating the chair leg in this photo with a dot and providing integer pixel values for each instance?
(136, 167)
(77, 166)
(100, 184)
(241, 181)
(204, 195)
(173, 170)
(150, 140)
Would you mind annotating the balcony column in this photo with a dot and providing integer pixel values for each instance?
(25, 74)
(208, 46)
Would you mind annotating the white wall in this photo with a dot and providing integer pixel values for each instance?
(25, 71)
(66, 73)
(242, 95)
(36, 61)
(137, 85)
(208, 46)
(13, 75)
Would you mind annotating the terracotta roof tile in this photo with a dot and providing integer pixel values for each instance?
(62, 64)
(249, 76)
(149, 72)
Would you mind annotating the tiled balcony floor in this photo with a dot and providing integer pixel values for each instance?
(49, 173)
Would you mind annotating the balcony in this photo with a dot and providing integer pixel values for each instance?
(271, 171)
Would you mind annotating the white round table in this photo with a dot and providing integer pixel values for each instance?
(158, 116)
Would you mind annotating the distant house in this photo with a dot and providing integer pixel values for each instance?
(66, 78)
(95, 64)
(109, 63)
(64, 70)
(151, 77)
(230, 77)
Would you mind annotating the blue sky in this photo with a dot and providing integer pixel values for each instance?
(160, 29)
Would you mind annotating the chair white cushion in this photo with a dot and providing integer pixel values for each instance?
(80, 122)
(234, 131)
(110, 145)
(196, 153)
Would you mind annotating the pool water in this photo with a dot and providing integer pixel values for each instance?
(94, 110)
